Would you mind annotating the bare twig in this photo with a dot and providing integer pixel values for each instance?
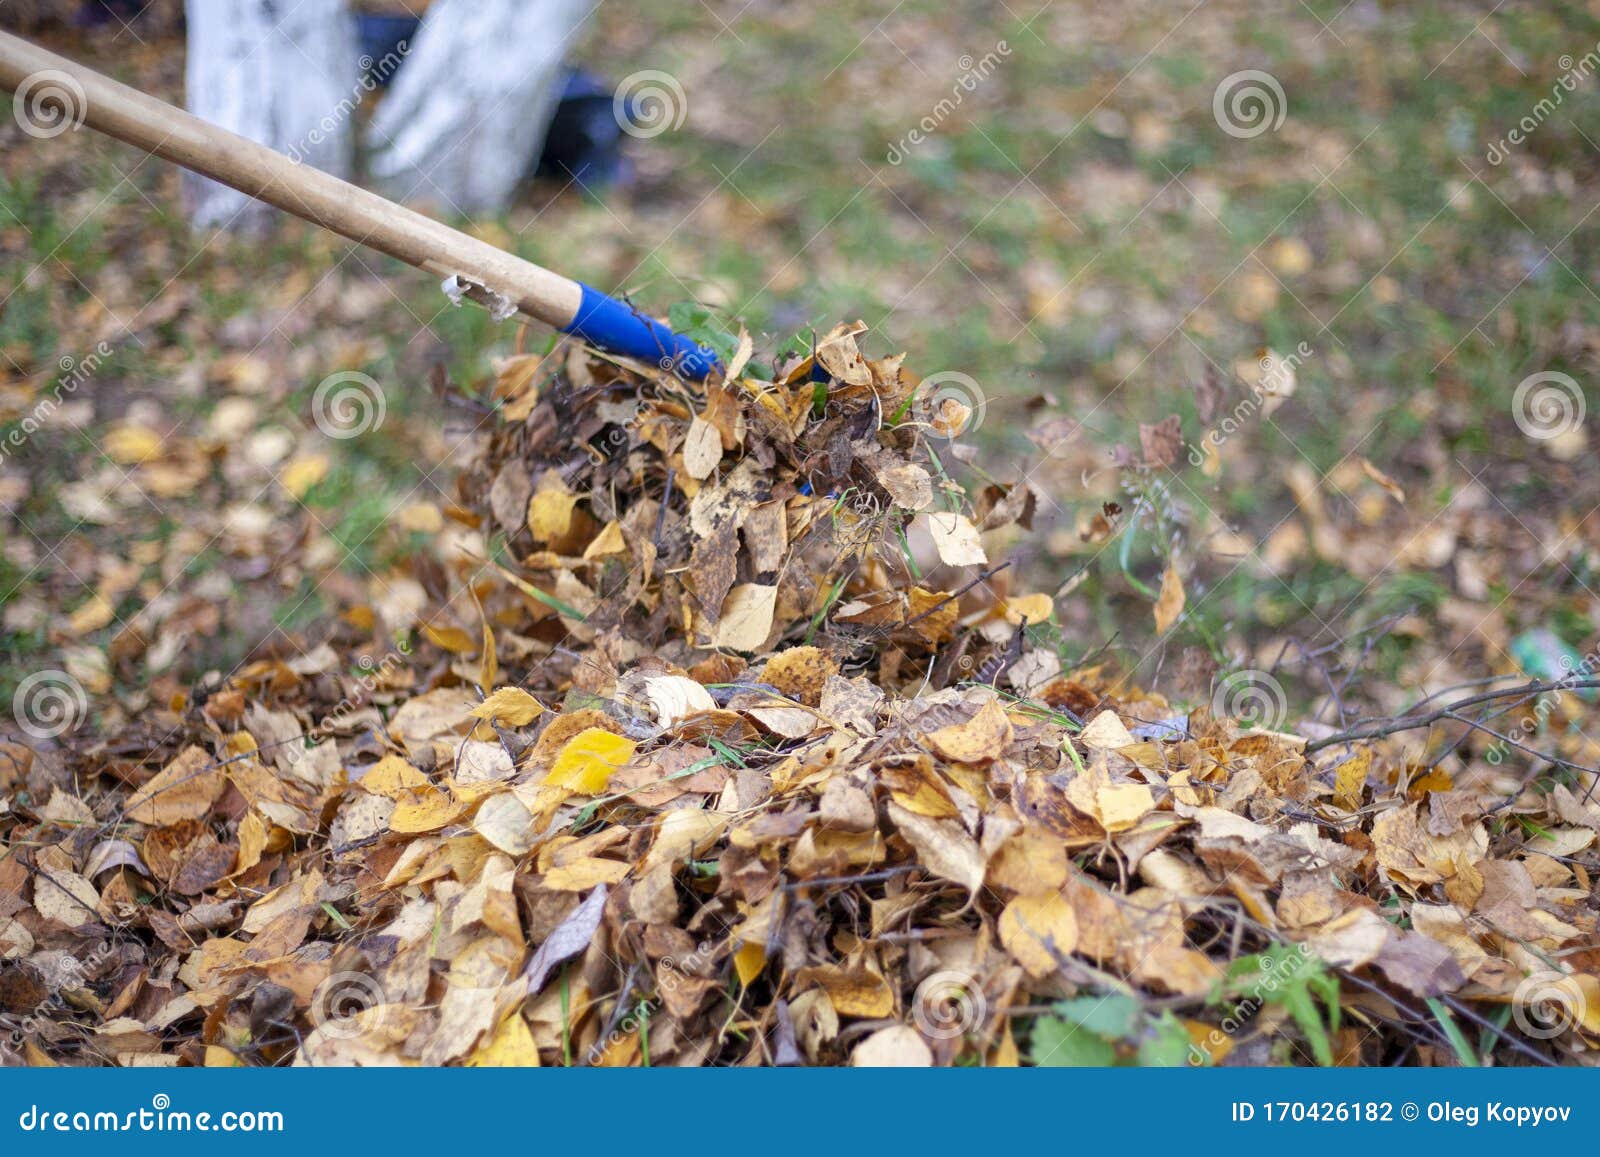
(1378, 728)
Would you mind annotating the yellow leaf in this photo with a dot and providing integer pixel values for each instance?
(746, 617)
(1169, 604)
(955, 538)
(510, 705)
(976, 740)
(183, 790)
(943, 846)
(584, 874)
(1005, 1054)
(1035, 608)
(748, 963)
(1121, 805)
(452, 639)
(300, 475)
(1038, 930)
(392, 776)
(252, 842)
(550, 513)
(610, 540)
(130, 444)
(511, 1047)
(93, 615)
(856, 991)
(1106, 731)
(589, 760)
(1351, 779)
(741, 356)
(422, 517)
(428, 810)
(489, 659)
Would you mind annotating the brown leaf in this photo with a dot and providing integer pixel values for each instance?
(943, 846)
(1162, 443)
(571, 937)
(185, 789)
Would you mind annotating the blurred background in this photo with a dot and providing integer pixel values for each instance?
(1292, 306)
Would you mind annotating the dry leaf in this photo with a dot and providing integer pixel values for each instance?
(183, 790)
(509, 705)
(589, 760)
(955, 538)
(746, 617)
(1169, 604)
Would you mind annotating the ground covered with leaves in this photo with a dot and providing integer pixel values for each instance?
(738, 750)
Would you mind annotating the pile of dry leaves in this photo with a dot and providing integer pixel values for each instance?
(711, 734)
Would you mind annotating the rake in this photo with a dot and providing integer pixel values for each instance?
(63, 91)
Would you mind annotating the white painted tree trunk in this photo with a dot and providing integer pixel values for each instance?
(282, 72)
(467, 114)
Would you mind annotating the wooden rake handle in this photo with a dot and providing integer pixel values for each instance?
(54, 87)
